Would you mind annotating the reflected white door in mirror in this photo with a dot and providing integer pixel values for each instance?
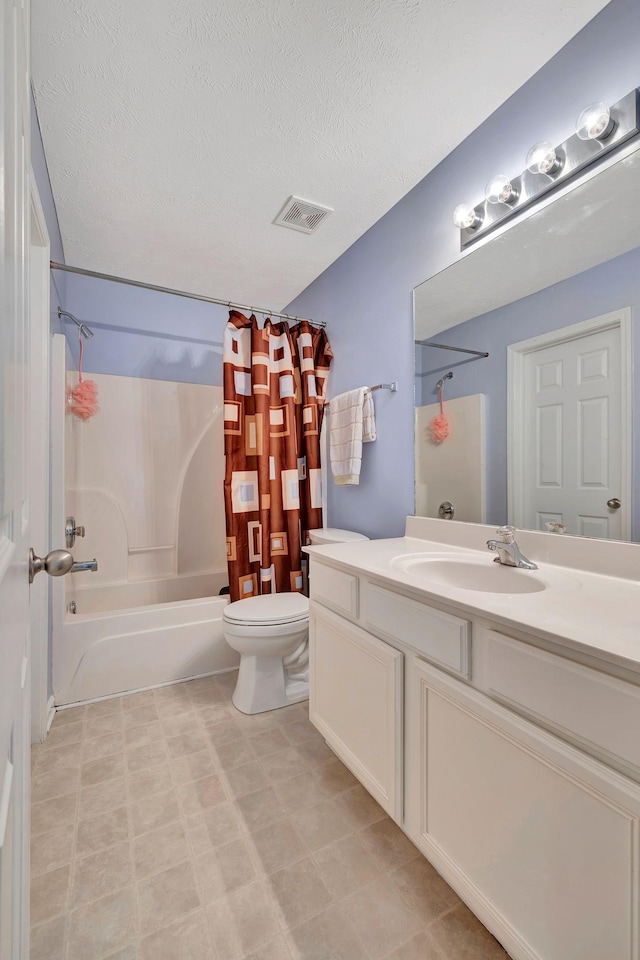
(569, 429)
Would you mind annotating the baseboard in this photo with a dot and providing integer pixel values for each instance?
(131, 693)
(51, 712)
(478, 903)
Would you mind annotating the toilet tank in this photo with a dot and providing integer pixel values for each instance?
(324, 535)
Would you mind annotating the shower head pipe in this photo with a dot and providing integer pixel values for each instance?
(85, 331)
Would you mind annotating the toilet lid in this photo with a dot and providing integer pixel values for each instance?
(323, 535)
(268, 609)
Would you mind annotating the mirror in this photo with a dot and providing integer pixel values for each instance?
(541, 431)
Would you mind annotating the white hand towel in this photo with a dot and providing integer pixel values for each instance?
(351, 422)
(368, 418)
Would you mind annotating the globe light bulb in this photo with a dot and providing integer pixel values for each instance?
(542, 158)
(500, 190)
(595, 123)
(465, 217)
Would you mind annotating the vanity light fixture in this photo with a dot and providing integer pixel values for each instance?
(595, 123)
(466, 217)
(500, 190)
(599, 130)
(542, 158)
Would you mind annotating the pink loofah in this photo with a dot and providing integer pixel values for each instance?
(440, 425)
(83, 400)
(439, 428)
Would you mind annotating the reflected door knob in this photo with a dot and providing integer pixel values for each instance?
(614, 503)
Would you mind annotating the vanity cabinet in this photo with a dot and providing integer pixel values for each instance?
(356, 702)
(512, 767)
(532, 830)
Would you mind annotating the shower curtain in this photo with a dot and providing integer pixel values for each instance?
(275, 388)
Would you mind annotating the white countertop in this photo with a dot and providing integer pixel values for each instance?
(596, 614)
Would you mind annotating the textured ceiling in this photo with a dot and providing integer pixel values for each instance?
(175, 131)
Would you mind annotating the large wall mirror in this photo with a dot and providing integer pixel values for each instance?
(542, 431)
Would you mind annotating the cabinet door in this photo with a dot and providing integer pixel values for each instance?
(540, 840)
(355, 701)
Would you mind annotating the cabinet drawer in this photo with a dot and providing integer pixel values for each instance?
(334, 589)
(599, 712)
(439, 637)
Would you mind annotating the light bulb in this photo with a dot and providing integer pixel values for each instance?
(465, 217)
(501, 190)
(595, 123)
(542, 158)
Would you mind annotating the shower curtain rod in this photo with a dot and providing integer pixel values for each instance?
(179, 293)
(442, 346)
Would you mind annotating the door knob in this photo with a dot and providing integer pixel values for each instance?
(57, 563)
(614, 503)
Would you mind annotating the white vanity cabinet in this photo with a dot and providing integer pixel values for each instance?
(539, 839)
(356, 702)
(514, 769)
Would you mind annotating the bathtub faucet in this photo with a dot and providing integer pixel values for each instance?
(81, 565)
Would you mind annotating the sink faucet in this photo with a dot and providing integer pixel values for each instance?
(508, 550)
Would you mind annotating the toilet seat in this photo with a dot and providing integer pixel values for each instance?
(268, 609)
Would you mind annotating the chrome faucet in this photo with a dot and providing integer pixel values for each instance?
(508, 550)
(80, 565)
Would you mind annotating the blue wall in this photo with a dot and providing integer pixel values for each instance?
(143, 333)
(365, 296)
(600, 290)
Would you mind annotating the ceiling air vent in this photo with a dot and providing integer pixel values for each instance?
(302, 215)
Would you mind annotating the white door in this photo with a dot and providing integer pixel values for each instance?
(14, 481)
(571, 427)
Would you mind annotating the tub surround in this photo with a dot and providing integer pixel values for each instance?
(144, 478)
(499, 730)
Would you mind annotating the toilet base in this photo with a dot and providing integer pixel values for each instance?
(262, 686)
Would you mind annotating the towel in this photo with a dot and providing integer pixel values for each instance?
(352, 423)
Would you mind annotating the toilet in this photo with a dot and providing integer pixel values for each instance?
(271, 634)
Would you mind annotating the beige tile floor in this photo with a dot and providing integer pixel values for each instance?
(168, 826)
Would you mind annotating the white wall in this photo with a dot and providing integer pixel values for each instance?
(145, 477)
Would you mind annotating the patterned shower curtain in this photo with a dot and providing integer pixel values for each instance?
(275, 388)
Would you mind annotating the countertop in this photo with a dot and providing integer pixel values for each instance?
(590, 612)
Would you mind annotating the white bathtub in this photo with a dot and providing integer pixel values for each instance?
(139, 634)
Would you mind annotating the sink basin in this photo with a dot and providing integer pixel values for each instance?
(484, 576)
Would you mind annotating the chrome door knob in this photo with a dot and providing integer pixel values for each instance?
(614, 503)
(57, 563)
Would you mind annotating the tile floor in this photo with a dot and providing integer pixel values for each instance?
(168, 826)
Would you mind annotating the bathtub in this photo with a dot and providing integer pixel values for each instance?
(138, 634)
